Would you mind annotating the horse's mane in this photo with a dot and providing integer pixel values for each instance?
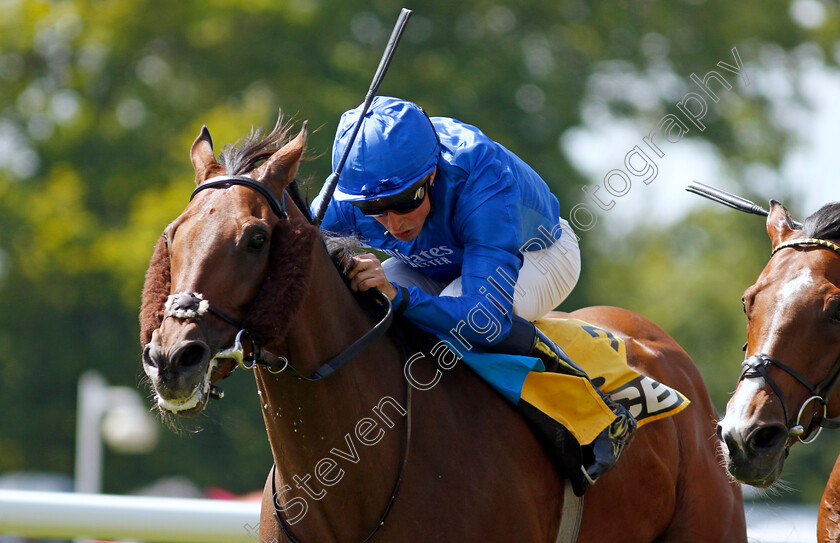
(824, 223)
(242, 157)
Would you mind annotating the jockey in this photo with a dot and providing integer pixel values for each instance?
(474, 237)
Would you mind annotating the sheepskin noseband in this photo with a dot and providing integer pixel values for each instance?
(186, 305)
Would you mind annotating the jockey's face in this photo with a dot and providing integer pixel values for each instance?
(407, 226)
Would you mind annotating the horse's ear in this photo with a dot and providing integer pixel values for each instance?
(282, 165)
(780, 226)
(201, 155)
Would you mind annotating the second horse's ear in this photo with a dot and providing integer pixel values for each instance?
(282, 165)
(202, 157)
(780, 227)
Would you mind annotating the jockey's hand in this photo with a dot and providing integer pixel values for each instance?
(366, 272)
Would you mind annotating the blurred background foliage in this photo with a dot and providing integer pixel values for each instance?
(101, 99)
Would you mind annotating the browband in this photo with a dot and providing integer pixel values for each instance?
(278, 207)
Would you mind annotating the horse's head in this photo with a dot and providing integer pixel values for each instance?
(786, 389)
(203, 284)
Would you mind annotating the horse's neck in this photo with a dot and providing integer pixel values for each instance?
(308, 421)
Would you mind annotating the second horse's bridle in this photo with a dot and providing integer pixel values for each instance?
(757, 365)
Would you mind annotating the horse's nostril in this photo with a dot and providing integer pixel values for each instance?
(151, 356)
(729, 441)
(194, 354)
(767, 438)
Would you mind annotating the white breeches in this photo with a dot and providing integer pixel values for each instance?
(545, 279)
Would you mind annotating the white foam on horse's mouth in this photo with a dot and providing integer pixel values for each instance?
(199, 393)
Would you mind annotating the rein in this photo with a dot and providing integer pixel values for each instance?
(259, 356)
(757, 365)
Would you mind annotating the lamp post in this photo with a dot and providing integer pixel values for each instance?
(114, 413)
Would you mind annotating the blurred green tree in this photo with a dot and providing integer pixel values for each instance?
(101, 101)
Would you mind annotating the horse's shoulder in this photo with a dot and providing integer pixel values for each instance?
(622, 322)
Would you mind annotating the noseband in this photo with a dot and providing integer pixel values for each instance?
(192, 305)
(757, 365)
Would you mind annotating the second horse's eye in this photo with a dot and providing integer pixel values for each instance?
(257, 241)
(834, 312)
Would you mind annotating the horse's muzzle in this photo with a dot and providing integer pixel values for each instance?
(186, 357)
(755, 455)
(180, 374)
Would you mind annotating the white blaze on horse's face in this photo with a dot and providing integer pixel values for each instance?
(753, 434)
(783, 304)
(739, 415)
(786, 299)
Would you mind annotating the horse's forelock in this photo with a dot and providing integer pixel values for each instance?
(241, 157)
(824, 223)
(155, 292)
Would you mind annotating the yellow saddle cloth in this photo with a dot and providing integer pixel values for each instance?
(574, 402)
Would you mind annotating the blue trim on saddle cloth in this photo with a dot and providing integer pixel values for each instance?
(505, 372)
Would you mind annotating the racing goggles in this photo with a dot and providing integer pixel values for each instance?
(402, 203)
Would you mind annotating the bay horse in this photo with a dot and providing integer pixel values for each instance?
(786, 392)
(452, 462)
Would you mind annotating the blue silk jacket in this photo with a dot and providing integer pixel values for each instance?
(487, 206)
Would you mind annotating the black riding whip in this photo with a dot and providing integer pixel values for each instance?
(728, 199)
(332, 180)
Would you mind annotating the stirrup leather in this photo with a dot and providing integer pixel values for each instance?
(611, 442)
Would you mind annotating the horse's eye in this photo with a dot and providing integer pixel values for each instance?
(257, 242)
(835, 314)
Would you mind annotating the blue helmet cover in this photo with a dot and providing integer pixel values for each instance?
(396, 145)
